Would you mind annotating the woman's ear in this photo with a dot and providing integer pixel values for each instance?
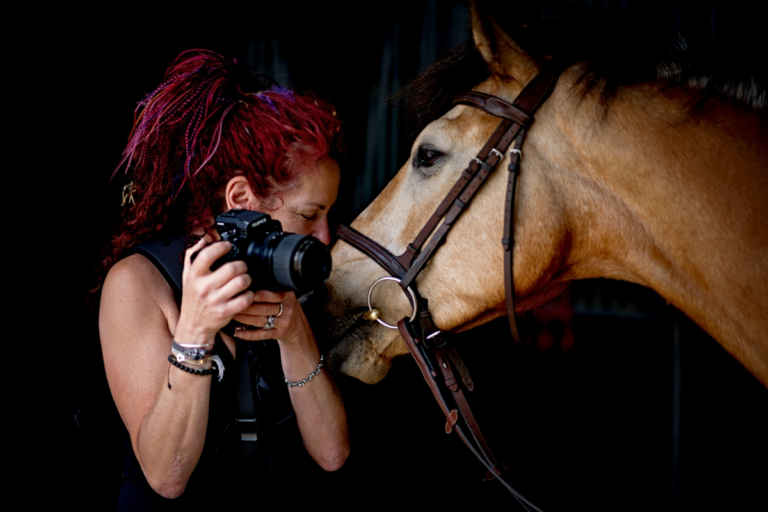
(238, 194)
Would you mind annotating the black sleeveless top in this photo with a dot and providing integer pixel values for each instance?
(222, 480)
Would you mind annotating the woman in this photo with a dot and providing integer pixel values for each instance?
(211, 138)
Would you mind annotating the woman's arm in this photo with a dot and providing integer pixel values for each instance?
(138, 319)
(319, 409)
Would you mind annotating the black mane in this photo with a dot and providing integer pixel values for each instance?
(616, 53)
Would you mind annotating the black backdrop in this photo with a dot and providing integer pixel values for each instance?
(645, 412)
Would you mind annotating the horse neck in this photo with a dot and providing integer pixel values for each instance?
(683, 210)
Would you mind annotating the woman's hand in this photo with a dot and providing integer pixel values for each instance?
(288, 326)
(210, 299)
(319, 410)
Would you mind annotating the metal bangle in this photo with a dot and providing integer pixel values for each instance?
(194, 357)
(192, 352)
(193, 345)
(413, 300)
(308, 377)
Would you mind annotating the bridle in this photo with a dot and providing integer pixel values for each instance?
(427, 343)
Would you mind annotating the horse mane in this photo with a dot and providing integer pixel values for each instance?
(430, 95)
(614, 53)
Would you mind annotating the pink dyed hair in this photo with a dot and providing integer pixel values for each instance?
(210, 120)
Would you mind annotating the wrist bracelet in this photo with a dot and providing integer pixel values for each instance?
(193, 345)
(193, 356)
(216, 366)
(309, 377)
(177, 364)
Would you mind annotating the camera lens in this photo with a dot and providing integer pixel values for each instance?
(301, 262)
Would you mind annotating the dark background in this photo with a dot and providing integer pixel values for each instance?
(645, 411)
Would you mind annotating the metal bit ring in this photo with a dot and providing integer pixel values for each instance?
(413, 300)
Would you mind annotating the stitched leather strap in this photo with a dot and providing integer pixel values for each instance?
(371, 249)
(416, 347)
(423, 335)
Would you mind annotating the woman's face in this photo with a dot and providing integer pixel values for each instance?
(305, 207)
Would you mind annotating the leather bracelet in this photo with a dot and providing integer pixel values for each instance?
(308, 377)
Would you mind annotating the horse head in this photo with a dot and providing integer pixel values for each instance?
(603, 192)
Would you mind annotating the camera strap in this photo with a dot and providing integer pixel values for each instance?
(167, 256)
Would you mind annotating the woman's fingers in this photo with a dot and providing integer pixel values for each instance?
(188, 255)
(232, 287)
(238, 303)
(207, 256)
(257, 313)
(265, 309)
(260, 333)
(270, 296)
(211, 298)
(226, 273)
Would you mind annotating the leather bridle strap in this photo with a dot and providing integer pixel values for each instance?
(466, 177)
(371, 249)
(516, 117)
(473, 177)
(482, 453)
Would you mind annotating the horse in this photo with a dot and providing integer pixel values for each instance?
(655, 173)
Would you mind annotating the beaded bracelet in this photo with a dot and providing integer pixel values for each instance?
(216, 366)
(309, 377)
(177, 364)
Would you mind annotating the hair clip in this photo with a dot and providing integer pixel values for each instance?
(128, 190)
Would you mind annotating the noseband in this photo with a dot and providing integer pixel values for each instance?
(426, 342)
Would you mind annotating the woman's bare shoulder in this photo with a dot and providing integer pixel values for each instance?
(135, 270)
(134, 285)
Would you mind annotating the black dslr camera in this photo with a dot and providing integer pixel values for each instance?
(276, 260)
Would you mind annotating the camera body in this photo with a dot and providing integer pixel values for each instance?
(276, 260)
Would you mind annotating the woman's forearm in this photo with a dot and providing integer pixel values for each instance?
(171, 436)
(319, 409)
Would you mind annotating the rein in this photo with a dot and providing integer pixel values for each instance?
(428, 344)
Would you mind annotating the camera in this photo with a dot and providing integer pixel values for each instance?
(276, 260)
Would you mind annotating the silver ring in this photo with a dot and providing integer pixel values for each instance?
(413, 300)
(270, 323)
(281, 309)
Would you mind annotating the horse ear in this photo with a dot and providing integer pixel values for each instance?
(504, 57)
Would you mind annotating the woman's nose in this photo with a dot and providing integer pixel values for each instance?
(322, 232)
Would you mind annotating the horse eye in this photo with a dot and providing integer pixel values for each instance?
(427, 157)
